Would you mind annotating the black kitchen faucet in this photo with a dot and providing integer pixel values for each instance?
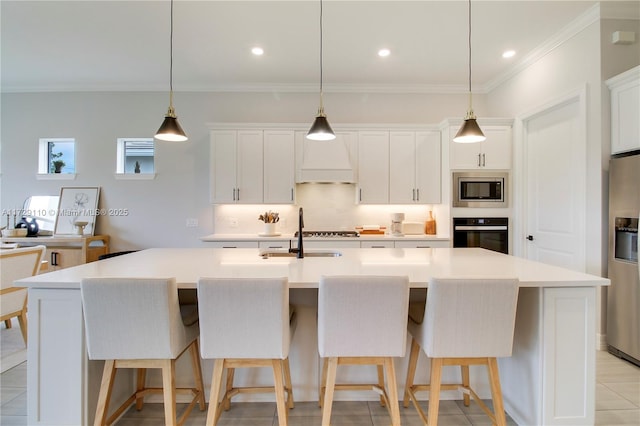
(300, 249)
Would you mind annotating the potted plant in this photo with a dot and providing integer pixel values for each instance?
(57, 165)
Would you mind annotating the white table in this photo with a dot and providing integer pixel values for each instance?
(550, 379)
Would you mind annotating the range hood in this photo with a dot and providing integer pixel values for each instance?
(327, 161)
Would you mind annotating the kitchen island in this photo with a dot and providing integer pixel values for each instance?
(550, 379)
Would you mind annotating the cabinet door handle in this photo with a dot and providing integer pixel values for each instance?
(484, 163)
(418, 194)
(360, 192)
(413, 196)
(291, 194)
(54, 258)
(238, 194)
(479, 160)
(234, 194)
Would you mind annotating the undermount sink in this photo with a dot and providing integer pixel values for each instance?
(268, 254)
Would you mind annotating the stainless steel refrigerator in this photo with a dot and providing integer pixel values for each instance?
(623, 296)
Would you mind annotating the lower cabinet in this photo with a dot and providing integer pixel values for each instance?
(376, 244)
(423, 244)
(232, 244)
(65, 252)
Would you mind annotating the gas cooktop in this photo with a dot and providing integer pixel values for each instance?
(329, 234)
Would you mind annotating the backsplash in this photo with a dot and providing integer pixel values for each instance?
(326, 207)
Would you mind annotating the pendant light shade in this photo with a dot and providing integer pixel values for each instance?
(320, 129)
(470, 131)
(170, 130)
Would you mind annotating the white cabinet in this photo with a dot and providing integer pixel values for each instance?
(373, 167)
(279, 166)
(236, 161)
(376, 244)
(423, 244)
(625, 111)
(493, 153)
(232, 244)
(414, 167)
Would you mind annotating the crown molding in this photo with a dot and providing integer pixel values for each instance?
(589, 17)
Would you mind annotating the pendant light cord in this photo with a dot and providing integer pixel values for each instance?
(470, 107)
(321, 102)
(171, 62)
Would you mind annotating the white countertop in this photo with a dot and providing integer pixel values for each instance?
(290, 236)
(188, 264)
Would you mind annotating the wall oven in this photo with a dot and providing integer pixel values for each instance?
(479, 189)
(491, 233)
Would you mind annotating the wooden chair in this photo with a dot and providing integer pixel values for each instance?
(135, 323)
(362, 320)
(16, 264)
(466, 322)
(246, 323)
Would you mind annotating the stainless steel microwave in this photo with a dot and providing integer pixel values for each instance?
(480, 189)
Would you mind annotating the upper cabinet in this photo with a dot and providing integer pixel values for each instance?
(493, 153)
(373, 167)
(279, 166)
(625, 111)
(236, 160)
(399, 167)
(414, 167)
(252, 166)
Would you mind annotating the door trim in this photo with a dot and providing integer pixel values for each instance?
(519, 193)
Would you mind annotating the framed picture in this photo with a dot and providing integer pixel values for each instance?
(77, 210)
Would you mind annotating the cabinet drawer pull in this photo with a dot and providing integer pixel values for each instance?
(54, 258)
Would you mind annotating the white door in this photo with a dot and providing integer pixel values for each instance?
(555, 183)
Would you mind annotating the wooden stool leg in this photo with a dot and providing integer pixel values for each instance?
(411, 371)
(496, 392)
(141, 379)
(464, 369)
(287, 383)
(22, 319)
(434, 393)
(381, 382)
(323, 382)
(332, 367)
(216, 382)
(392, 391)
(226, 402)
(279, 389)
(194, 349)
(108, 374)
(169, 392)
(7, 323)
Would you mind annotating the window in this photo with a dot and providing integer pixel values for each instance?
(135, 155)
(57, 156)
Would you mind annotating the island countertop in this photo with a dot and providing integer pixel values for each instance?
(419, 264)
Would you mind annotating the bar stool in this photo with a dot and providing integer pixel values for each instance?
(362, 320)
(135, 323)
(246, 323)
(466, 322)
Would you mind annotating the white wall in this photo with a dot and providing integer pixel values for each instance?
(159, 208)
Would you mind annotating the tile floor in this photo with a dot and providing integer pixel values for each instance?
(617, 403)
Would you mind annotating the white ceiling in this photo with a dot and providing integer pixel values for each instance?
(124, 45)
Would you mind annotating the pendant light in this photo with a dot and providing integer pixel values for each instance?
(470, 131)
(320, 129)
(170, 130)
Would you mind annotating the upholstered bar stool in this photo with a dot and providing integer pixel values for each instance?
(362, 320)
(246, 323)
(135, 323)
(16, 264)
(466, 322)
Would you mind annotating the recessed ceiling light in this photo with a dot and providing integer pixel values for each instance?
(509, 54)
(257, 51)
(384, 53)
